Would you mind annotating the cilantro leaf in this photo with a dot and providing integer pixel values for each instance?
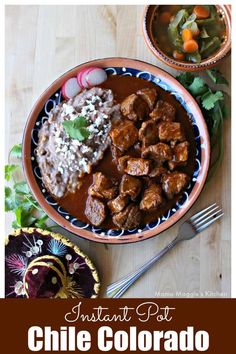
(23, 217)
(22, 188)
(14, 224)
(216, 76)
(10, 201)
(9, 169)
(19, 199)
(41, 222)
(16, 151)
(18, 213)
(85, 133)
(186, 79)
(209, 99)
(214, 107)
(76, 128)
(197, 87)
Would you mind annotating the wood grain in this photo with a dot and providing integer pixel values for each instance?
(42, 42)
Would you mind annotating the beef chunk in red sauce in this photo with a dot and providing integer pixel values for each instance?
(152, 197)
(180, 156)
(95, 211)
(148, 133)
(124, 135)
(130, 186)
(134, 108)
(122, 163)
(173, 183)
(149, 95)
(160, 152)
(128, 218)
(118, 204)
(138, 166)
(115, 152)
(157, 171)
(103, 187)
(163, 111)
(171, 131)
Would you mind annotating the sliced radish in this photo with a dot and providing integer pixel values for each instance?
(94, 76)
(70, 88)
(81, 78)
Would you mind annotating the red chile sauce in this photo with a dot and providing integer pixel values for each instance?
(122, 86)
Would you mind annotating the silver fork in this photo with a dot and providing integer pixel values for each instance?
(188, 230)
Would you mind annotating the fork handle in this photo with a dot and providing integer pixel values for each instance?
(117, 289)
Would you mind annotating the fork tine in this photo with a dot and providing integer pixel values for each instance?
(201, 212)
(195, 221)
(201, 228)
(213, 214)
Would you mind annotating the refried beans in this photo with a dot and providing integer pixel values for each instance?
(63, 160)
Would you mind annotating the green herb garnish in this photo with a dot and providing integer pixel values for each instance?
(19, 199)
(213, 106)
(209, 99)
(216, 76)
(76, 128)
(9, 169)
(16, 151)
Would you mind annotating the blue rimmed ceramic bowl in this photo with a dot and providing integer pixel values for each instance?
(52, 96)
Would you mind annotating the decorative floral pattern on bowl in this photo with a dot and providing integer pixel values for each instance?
(167, 83)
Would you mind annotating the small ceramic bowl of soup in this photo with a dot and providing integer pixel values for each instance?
(188, 37)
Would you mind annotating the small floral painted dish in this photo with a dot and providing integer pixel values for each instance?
(54, 94)
(43, 264)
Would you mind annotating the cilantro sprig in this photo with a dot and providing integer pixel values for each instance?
(77, 128)
(214, 108)
(18, 197)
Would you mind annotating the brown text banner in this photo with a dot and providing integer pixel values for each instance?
(114, 326)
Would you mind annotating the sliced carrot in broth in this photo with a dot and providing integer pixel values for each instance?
(190, 46)
(187, 34)
(201, 12)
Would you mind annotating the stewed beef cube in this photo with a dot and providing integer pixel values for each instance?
(180, 156)
(173, 183)
(171, 131)
(130, 186)
(157, 171)
(118, 204)
(181, 152)
(152, 197)
(103, 187)
(160, 152)
(134, 108)
(122, 163)
(163, 111)
(128, 218)
(115, 152)
(138, 166)
(95, 211)
(148, 133)
(149, 95)
(124, 135)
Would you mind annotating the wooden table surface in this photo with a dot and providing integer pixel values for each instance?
(42, 42)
